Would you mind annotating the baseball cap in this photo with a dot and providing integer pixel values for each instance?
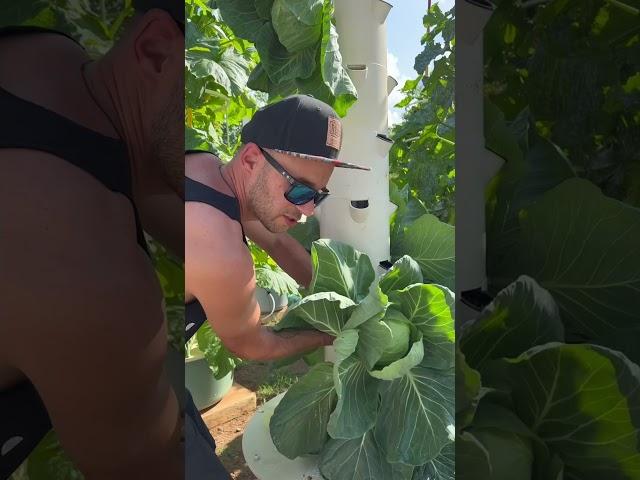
(172, 7)
(299, 125)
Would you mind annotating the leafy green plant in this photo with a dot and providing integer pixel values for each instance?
(269, 275)
(206, 343)
(422, 158)
(384, 408)
(580, 243)
(573, 69)
(217, 66)
(548, 378)
(298, 48)
(530, 406)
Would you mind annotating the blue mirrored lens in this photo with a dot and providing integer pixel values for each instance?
(300, 194)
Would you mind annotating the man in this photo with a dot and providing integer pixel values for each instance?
(89, 150)
(288, 153)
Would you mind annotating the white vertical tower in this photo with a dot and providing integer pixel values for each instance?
(357, 211)
(475, 165)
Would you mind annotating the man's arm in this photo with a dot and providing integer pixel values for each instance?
(84, 320)
(219, 273)
(162, 217)
(284, 249)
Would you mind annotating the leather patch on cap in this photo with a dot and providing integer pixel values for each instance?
(334, 133)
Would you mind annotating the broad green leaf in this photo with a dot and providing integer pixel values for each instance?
(440, 468)
(472, 459)
(510, 454)
(583, 248)
(306, 233)
(298, 24)
(299, 422)
(334, 74)
(398, 471)
(357, 406)
(416, 415)
(281, 65)
(374, 337)
(407, 362)
(426, 307)
(338, 267)
(358, 458)
(373, 306)
(219, 359)
(263, 8)
(242, 17)
(583, 401)
(520, 182)
(467, 390)
(404, 272)
(521, 316)
(326, 311)
(430, 242)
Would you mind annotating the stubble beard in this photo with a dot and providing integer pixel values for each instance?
(260, 203)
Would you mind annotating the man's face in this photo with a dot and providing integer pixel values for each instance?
(266, 194)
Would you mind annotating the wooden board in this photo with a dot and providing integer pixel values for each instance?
(237, 402)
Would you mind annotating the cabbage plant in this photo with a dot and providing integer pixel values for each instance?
(530, 406)
(384, 409)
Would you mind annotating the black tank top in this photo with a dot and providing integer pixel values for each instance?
(195, 191)
(23, 418)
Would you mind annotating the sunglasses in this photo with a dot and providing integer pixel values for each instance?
(299, 193)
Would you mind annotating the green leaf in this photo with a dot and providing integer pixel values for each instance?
(334, 74)
(510, 455)
(582, 247)
(373, 306)
(281, 65)
(584, 402)
(472, 459)
(219, 359)
(298, 24)
(404, 272)
(339, 268)
(374, 337)
(242, 17)
(357, 458)
(440, 468)
(263, 8)
(416, 415)
(325, 311)
(425, 306)
(467, 391)
(306, 233)
(521, 316)
(299, 422)
(403, 365)
(357, 406)
(430, 242)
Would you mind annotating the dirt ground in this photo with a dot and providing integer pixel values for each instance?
(228, 436)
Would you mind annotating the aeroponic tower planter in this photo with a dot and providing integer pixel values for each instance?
(359, 209)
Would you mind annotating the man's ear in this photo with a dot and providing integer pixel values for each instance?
(156, 39)
(251, 157)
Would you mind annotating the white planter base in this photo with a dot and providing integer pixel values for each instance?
(263, 458)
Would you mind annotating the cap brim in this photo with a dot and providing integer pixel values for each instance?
(332, 161)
